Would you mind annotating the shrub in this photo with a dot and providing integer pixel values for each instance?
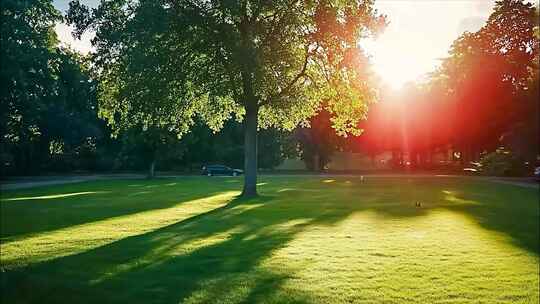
(503, 162)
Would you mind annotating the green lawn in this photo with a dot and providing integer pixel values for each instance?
(305, 240)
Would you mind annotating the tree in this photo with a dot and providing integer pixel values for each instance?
(48, 105)
(27, 46)
(266, 63)
(68, 118)
(486, 73)
(523, 135)
(151, 145)
(275, 146)
(319, 141)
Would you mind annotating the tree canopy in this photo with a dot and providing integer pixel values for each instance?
(267, 63)
(47, 96)
(488, 70)
(483, 95)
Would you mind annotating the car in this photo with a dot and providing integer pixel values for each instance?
(474, 168)
(537, 173)
(212, 170)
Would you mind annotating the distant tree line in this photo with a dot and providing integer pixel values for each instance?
(483, 96)
(157, 111)
(49, 109)
(162, 70)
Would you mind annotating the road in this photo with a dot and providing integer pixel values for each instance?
(38, 181)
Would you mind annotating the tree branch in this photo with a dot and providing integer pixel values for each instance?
(289, 86)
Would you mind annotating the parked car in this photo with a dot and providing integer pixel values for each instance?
(212, 170)
(474, 168)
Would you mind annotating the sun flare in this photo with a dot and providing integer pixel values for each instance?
(410, 47)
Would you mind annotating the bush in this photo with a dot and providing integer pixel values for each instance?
(503, 162)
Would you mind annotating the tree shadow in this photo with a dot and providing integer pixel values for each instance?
(221, 255)
(205, 258)
(23, 215)
(507, 209)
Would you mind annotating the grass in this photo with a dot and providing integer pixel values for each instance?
(304, 240)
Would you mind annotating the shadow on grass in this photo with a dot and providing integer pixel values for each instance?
(222, 255)
(211, 256)
(511, 210)
(39, 210)
(507, 209)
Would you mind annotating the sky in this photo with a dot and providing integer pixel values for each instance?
(64, 32)
(419, 34)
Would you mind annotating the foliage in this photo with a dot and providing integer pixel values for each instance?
(153, 72)
(484, 95)
(27, 40)
(135, 149)
(166, 69)
(274, 147)
(503, 162)
(319, 141)
(48, 102)
(487, 75)
(226, 147)
(150, 146)
(163, 63)
(523, 135)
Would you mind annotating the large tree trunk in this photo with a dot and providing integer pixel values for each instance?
(250, 152)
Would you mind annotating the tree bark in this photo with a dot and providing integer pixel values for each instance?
(316, 162)
(250, 152)
(151, 169)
